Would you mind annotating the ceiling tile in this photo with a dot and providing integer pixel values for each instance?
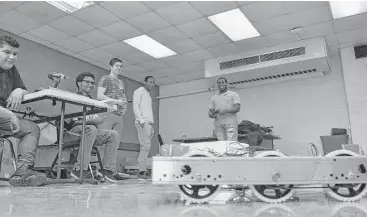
(244, 3)
(331, 40)
(183, 46)
(263, 10)
(198, 27)
(119, 48)
(213, 7)
(312, 16)
(158, 4)
(223, 50)
(199, 55)
(319, 29)
(104, 17)
(350, 23)
(212, 40)
(11, 29)
(135, 72)
(81, 57)
(333, 51)
(41, 11)
(352, 36)
(34, 38)
(78, 27)
(282, 38)
(60, 49)
(49, 33)
(97, 38)
(101, 65)
(6, 6)
(159, 73)
(176, 60)
(273, 25)
(134, 69)
(168, 35)
(148, 22)
(19, 21)
(252, 44)
(121, 30)
(294, 6)
(193, 67)
(74, 45)
(179, 13)
(154, 65)
(98, 55)
(137, 57)
(125, 9)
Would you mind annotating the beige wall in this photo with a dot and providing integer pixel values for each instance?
(355, 77)
(300, 111)
(35, 61)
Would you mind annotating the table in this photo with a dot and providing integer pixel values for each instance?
(65, 97)
(267, 136)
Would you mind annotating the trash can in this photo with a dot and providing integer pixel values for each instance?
(332, 143)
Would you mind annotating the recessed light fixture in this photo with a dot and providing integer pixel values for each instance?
(235, 25)
(341, 9)
(150, 46)
(71, 6)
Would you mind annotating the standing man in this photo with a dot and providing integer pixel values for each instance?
(223, 108)
(112, 90)
(142, 104)
(12, 90)
(94, 136)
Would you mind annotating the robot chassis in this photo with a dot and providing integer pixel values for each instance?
(271, 176)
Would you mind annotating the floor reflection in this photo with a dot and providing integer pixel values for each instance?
(144, 199)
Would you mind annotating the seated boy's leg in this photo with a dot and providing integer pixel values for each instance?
(112, 140)
(29, 134)
(90, 138)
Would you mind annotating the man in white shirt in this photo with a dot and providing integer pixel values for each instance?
(223, 108)
(142, 105)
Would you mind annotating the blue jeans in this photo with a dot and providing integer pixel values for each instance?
(29, 134)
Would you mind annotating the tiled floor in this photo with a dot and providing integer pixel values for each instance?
(133, 198)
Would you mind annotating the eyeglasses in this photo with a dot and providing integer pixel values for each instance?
(89, 82)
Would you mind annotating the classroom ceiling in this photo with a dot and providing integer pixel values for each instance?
(95, 34)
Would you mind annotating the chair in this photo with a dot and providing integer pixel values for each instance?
(3, 140)
(74, 146)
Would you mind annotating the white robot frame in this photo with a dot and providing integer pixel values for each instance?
(220, 164)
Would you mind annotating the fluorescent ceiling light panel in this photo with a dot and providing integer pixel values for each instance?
(341, 9)
(235, 25)
(150, 46)
(71, 6)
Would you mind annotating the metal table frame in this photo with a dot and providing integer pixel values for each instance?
(100, 108)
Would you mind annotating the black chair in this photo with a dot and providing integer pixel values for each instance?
(74, 147)
(3, 140)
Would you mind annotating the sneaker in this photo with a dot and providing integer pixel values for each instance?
(143, 175)
(27, 178)
(76, 174)
(118, 177)
(108, 174)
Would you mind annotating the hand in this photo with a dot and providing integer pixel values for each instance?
(221, 111)
(14, 122)
(15, 99)
(121, 102)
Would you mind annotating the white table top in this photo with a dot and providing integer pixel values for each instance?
(41, 102)
(65, 95)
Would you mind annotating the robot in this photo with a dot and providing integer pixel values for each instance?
(202, 170)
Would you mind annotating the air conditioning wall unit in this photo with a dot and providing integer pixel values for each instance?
(297, 60)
